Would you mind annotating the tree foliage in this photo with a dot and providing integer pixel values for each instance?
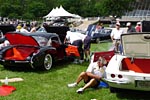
(114, 7)
(31, 9)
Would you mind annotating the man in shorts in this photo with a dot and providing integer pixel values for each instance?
(87, 44)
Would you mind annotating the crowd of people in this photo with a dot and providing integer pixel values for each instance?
(27, 28)
(22, 26)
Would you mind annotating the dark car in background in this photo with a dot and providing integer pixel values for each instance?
(7, 28)
(103, 34)
(4, 29)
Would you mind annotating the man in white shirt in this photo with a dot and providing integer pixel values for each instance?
(72, 37)
(116, 36)
(75, 39)
(94, 73)
(87, 44)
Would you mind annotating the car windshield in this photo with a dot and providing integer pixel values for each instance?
(139, 46)
(102, 31)
(41, 30)
(105, 31)
(42, 41)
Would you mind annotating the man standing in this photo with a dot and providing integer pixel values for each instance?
(116, 36)
(130, 28)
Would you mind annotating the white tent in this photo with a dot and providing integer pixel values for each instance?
(52, 12)
(60, 12)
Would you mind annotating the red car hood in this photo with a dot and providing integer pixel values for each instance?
(20, 39)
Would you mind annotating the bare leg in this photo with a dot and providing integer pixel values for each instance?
(116, 46)
(82, 76)
(87, 54)
(91, 83)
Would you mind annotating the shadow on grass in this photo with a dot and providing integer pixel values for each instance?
(56, 66)
(65, 63)
(23, 68)
(133, 95)
(102, 41)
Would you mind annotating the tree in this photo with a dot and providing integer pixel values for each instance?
(81, 7)
(116, 8)
(28, 16)
(37, 9)
(85, 8)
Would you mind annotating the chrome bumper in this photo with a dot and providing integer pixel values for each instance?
(19, 62)
(118, 82)
(125, 84)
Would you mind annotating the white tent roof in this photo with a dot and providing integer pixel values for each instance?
(60, 12)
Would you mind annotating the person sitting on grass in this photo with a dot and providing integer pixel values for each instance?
(94, 73)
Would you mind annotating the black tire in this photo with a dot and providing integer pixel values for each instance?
(113, 90)
(47, 62)
(7, 67)
(98, 40)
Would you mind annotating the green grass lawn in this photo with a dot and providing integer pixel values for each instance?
(52, 85)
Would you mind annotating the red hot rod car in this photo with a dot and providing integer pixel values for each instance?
(38, 50)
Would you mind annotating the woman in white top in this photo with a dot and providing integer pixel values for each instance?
(94, 73)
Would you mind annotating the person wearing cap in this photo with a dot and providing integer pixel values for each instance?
(138, 27)
(93, 75)
(18, 28)
(130, 29)
(116, 36)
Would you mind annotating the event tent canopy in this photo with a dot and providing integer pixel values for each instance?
(60, 12)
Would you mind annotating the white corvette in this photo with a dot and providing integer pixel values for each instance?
(131, 68)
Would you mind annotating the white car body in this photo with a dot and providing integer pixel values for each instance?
(131, 69)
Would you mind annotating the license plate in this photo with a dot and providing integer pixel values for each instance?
(143, 84)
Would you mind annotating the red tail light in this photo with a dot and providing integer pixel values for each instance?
(120, 76)
(112, 75)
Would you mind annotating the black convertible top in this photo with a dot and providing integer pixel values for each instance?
(7, 28)
(43, 34)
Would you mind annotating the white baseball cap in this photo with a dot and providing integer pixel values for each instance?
(118, 23)
(128, 24)
(138, 23)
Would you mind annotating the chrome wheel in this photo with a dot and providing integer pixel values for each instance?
(47, 62)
